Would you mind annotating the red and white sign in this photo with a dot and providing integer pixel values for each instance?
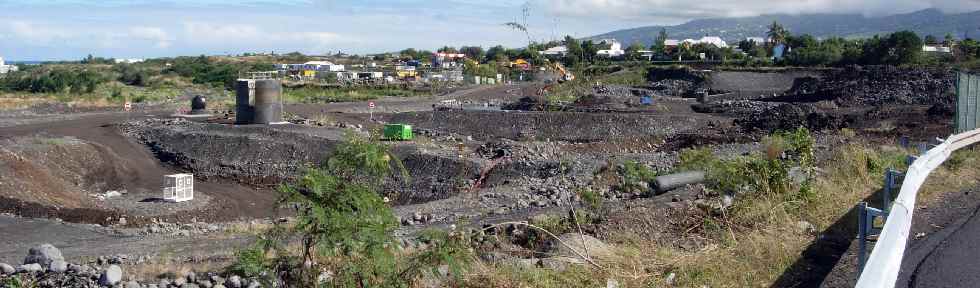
(128, 106)
(371, 104)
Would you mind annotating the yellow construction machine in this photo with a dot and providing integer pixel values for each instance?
(563, 74)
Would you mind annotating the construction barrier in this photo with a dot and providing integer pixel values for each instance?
(883, 265)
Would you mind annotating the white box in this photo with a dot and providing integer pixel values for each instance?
(178, 187)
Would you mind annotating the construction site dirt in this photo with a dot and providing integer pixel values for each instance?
(478, 166)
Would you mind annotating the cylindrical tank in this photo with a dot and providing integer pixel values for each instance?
(244, 112)
(199, 105)
(673, 181)
(268, 108)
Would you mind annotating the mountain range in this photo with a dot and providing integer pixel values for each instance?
(924, 22)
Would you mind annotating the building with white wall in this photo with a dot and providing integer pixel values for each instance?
(615, 49)
(4, 68)
(713, 40)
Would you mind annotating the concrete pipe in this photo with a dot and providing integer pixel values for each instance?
(673, 181)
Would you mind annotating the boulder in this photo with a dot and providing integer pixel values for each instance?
(560, 263)
(131, 284)
(7, 269)
(523, 263)
(43, 254)
(111, 276)
(33, 267)
(591, 246)
(234, 282)
(58, 266)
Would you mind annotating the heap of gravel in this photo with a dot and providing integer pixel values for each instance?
(58, 274)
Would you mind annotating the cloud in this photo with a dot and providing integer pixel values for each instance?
(155, 34)
(37, 34)
(203, 32)
(245, 37)
(680, 10)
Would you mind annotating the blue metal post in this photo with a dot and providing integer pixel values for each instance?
(889, 184)
(862, 209)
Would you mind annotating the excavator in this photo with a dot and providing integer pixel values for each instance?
(563, 73)
(563, 76)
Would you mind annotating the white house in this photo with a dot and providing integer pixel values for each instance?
(757, 40)
(556, 51)
(129, 61)
(4, 68)
(323, 66)
(717, 41)
(936, 49)
(615, 49)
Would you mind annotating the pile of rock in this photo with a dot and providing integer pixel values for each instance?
(46, 267)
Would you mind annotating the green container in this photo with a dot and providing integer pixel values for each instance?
(398, 132)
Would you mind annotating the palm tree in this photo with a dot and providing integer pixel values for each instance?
(777, 34)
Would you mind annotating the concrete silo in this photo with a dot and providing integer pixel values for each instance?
(258, 101)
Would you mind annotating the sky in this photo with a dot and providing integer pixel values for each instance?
(71, 29)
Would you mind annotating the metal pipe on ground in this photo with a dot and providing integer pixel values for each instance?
(673, 181)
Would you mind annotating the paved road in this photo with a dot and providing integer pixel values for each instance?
(946, 252)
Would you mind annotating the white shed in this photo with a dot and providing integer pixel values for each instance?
(178, 187)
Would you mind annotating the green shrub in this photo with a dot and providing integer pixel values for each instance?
(591, 199)
(249, 262)
(633, 174)
(346, 226)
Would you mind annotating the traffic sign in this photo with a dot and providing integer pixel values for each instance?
(128, 106)
(371, 104)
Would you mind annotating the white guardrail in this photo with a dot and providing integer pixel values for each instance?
(885, 261)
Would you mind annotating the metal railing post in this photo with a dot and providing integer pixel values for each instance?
(889, 184)
(862, 209)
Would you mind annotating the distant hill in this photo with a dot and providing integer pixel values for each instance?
(924, 22)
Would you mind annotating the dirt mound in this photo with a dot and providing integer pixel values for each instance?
(266, 156)
(791, 116)
(61, 172)
(876, 85)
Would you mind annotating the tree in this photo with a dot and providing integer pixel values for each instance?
(409, 54)
(497, 53)
(931, 40)
(448, 49)
(575, 51)
(777, 34)
(660, 42)
(904, 47)
(949, 40)
(589, 50)
(473, 52)
(343, 221)
(633, 51)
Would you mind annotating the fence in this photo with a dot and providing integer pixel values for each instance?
(882, 267)
(967, 108)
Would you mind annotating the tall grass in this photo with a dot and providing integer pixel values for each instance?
(759, 238)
